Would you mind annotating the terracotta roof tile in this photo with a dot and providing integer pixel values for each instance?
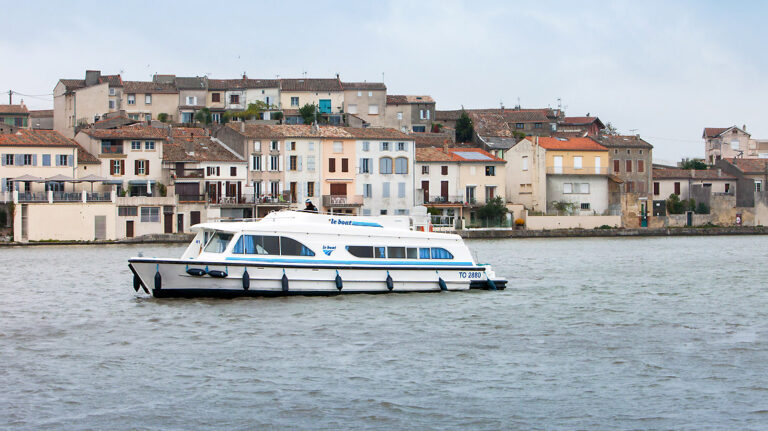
(621, 141)
(581, 144)
(436, 140)
(280, 131)
(581, 121)
(13, 109)
(112, 80)
(198, 149)
(311, 84)
(367, 86)
(35, 138)
(72, 84)
(708, 174)
(148, 87)
(713, 132)
(751, 165)
(134, 131)
(466, 155)
(396, 99)
(84, 157)
(41, 113)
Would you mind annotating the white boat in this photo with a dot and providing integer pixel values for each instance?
(300, 253)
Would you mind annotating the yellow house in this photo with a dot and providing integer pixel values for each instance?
(338, 171)
(36, 153)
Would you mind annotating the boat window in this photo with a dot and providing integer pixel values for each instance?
(291, 247)
(396, 252)
(441, 253)
(380, 252)
(423, 253)
(360, 250)
(218, 243)
(257, 244)
(412, 253)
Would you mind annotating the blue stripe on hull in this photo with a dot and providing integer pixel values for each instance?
(348, 262)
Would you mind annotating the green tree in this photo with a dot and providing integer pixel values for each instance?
(204, 116)
(677, 206)
(697, 164)
(564, 207)
(610, 130)
(465, 130)
(162, 117)
(307, 113)
(493, 210)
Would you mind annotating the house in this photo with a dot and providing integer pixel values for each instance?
(326, 94)
(15, 115)
(631, 160)
(501, 121)
(385, 170)
(526, 172)
(454, 182)
(193, 93)
(668, 181)
(584, 126)
(41, 119)
(79, 102)
(367, 101)
(36, 153)
(145, 101)
(203, 173)
(751, 178)
(131, 156)
(577, 176)
(410, 113)
(732, 142)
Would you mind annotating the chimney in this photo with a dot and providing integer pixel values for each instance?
(744, 127)
(92, 77)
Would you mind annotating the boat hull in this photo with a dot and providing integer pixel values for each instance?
(165, 278)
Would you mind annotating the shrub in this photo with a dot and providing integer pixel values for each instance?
(702, 208)
(162, 117)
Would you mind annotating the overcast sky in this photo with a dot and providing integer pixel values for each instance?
(664, 70)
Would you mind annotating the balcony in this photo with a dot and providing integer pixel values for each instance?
(570, 170)
(111, 149)
(187, 198)
(188, 173)
(445, 200)
(341, 201)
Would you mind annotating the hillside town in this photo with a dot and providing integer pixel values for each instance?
(117, 159)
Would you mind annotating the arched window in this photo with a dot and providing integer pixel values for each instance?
(401, 165)
(385, 165)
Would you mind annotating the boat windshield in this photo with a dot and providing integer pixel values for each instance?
(218, 243)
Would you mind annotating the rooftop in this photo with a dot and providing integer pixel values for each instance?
(623, 141)
(13, 109)
(35, 138)
(311, 84)
(708, 174)
(148, 87)
(367, 86)
(396, 99)
(466, 155)
(198, 149)
(751, 165)
(576, 144)
(279, 131)
(140, 131)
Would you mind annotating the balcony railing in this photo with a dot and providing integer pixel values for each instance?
(336, 201)
(67, 197)
(459, 199)
(584, 170)
(188, 173)
(33, 196)
(187, 198)
(111, 149)
(98, 197)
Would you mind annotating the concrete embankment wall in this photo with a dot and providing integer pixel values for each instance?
(571, 222)
(564, 233)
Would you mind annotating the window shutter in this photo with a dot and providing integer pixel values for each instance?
(122, 167)
(136, 167)
(3, 161)
(278, 145)
(360, 166)
(111, 167)
(280, 165)
(34, 160)
(146, 167)
(317, 188)
(2, 184)
(300, 166)
(287, 162)
(218, 171)
(381, 146)
(263, 160)
(19, 159)
(58, 160)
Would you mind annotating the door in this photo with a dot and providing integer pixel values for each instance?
(293, 191)
(444, 191)
(325, 106)
(129, 228)
(425, 188)
(168, 222)
(100, 227)
(338, 189)
(180, 222)
(213, 192)
(558, 161)
(179, 169)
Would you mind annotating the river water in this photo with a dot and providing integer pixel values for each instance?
(651, 333)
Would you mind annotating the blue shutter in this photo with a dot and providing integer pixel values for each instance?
(3, 161)
(2, 184)
(34, 159)
(19, 159)
(46, 160)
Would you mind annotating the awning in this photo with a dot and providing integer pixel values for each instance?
(27, 177)
(112, 182)
(141, 182)
(93, 179)
(61, 178)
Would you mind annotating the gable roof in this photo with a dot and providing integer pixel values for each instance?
(84, 157)
(311, 84)
(13, 109)
(368, 86)
(576, 144)
(707, 174)
(242, 84)
(191, 82)
(111, 80)
(436, 140)
(35, 138)
(399, 99)
(281, 131)
(462, 155)
(453, 115)
(72, 84)
(749, 166)
(148, 87)
(714, 132)
(41, 113)
(140, 131)
(623, 141)
(582, 121)
(198, 149)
